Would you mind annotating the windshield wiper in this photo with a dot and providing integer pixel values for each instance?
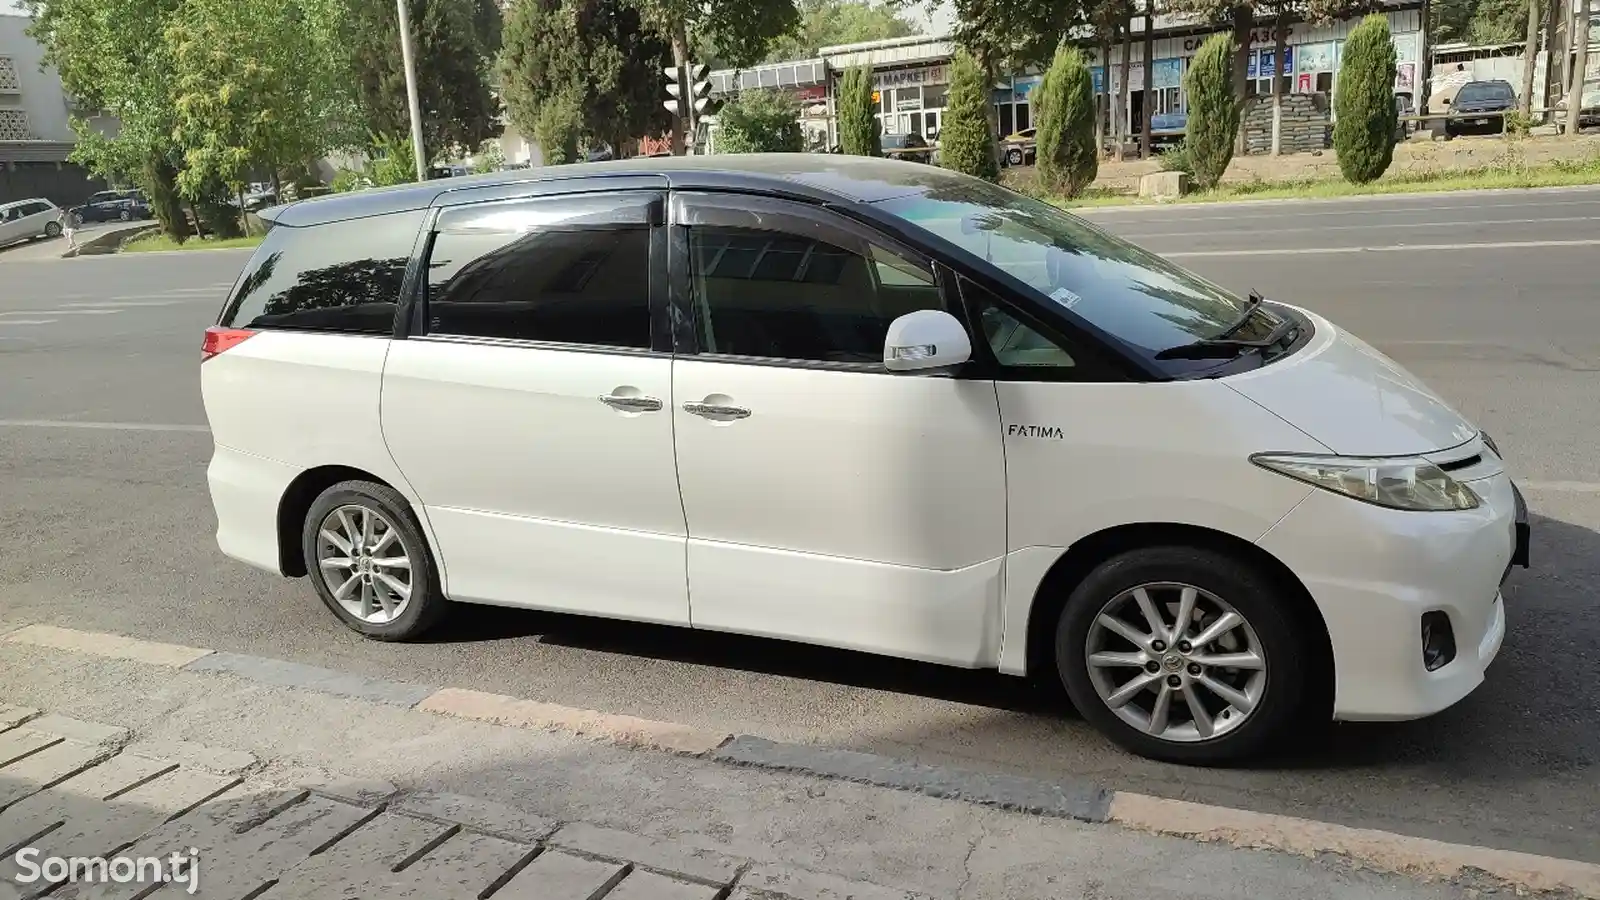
(1250, 310)
(1226, 347)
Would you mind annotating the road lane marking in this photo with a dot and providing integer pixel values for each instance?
(27, 321)
(1286, 213)
(1562, 487)
(1290, 251)
(102, 426)
(59, 312)
(1365, 226)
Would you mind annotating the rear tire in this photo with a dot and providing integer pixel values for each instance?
(1014, 157)
(382, 584)
(124, 216)
(1267, 646)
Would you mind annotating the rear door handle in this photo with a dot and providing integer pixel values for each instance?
(631, 404)
(715, 411)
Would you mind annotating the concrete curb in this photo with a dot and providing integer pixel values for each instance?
(1083, 801)
(1089, 211)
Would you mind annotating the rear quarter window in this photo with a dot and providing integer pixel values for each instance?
(341, 277)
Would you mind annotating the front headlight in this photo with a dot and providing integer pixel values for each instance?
(1409, 484)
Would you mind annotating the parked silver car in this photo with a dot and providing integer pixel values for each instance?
(24, 220)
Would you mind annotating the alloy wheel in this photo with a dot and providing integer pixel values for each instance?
(363, 560)
(1176, 661)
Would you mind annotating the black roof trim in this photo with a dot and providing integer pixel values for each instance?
(817, 177)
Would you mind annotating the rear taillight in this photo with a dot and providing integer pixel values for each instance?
(219, 339)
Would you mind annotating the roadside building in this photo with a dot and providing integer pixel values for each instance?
(911, 74)
(35, 112)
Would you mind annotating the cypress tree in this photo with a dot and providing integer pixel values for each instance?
(1363, 105)
(965, 141)
(1213, 110)
(1068, 159)
(858, 124)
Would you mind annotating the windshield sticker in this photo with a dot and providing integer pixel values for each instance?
(1065, 297)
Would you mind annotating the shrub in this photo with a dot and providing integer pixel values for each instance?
(393, 162)
(1363, 107)
(1065, 108)
(966, 143)
(1176, 159)
(1213, 111)
(760, 122)
(858, 124)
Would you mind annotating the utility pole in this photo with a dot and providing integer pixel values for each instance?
(1580, 67)
(410, 61)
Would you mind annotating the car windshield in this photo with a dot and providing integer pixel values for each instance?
(1129, 293)
(1484, 90)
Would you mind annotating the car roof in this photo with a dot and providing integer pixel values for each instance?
(10, 203)
(821, 177)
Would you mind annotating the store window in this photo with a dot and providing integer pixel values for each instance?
(1022, 116)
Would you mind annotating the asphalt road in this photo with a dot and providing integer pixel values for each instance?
(109, 528)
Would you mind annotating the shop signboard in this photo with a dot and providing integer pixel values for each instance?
(908, 77)
(1098, 75)
(1022, 87)
(1316, 58)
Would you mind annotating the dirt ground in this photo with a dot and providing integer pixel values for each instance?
(1410, 159)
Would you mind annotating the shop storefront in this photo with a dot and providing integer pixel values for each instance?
(912, 100)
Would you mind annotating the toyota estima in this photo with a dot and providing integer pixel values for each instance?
(863, 404)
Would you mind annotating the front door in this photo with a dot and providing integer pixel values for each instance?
(828, 500)
(534, 418)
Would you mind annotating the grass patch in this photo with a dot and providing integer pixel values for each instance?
(159, 243)
(1503, 174)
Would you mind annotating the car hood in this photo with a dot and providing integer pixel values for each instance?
(1353, 399)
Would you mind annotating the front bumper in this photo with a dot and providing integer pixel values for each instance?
(1373, 573)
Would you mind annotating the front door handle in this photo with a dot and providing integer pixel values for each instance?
(716, 411)
(631, 404)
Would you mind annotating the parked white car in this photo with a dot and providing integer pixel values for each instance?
(24, 220)
(864, 404)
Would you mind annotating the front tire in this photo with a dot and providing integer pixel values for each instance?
(369, 563)
(1183, 654)
(124, 216)
(52, 229)
(1014, 157)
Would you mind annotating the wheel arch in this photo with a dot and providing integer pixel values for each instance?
(1081, 558)
(296, 502)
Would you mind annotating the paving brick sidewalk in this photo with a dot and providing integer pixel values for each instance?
(76, 789)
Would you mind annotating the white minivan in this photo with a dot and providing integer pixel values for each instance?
(864, 404)
(24, 220)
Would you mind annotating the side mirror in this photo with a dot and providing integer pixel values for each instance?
(925, 339)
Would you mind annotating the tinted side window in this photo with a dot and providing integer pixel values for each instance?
(783, 296)
(571, 286)
(343, 276)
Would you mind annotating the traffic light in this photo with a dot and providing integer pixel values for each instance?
(696, 87)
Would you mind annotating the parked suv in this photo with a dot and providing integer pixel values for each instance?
(911, 147)
(1020, 148)
(27, 219)
(1480, 106)
(109, 206)
(859, 403)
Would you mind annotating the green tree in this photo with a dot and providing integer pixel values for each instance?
(966, 140)
(1364, 112)
(559, 129)
(257, 85)
(454, 42)
(1213, 110)
(1064, 106)
(829, 23)
(859, 127)
(760, 122)
(596, 51)
(112, 57)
